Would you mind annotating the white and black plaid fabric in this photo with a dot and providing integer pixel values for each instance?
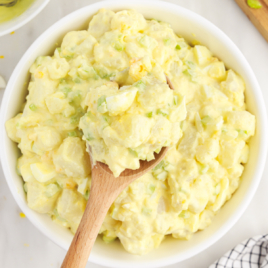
(252, 253)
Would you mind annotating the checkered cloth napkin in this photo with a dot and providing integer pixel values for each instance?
(252, 253)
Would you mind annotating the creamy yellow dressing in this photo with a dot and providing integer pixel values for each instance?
(106, 86)
(9, 13)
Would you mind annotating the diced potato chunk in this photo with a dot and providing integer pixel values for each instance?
(202, 54)
(77, 43)
(43, 172)
(57, 103)
(100, 23)
(72, 159)
(71, 207)
(82, 187)
(179, 112)
(26, 173)
(199, 196)
(11, 127)
(217, 70)
(208, 151)
(188, 143)
(38, 199)
(242, 120)
(47, 138)
(230, 152)
(234, 88)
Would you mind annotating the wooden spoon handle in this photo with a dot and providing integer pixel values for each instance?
(100, 200)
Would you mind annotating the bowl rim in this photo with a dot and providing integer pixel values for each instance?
(34, 13)
(262, 118)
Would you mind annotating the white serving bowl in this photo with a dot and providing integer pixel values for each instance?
(29, 14)
(185, 23)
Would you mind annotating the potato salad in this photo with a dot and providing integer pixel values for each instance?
(106, 87)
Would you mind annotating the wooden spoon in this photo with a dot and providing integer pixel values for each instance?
(104, 190)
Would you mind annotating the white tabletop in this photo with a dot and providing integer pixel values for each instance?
(22, 245)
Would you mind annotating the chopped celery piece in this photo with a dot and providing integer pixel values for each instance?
(176, 100)
(56, 213)
(75, 97)
(242, 132)
(168, 167)
(162, 112)
(72, 134)
(33, 107)
(180, 45)
(150, 114)
(107, 118)
(77, 80)
(63, 81)
(66, 90)
(140, 84)
(58, 49)
(68, 57)
(101, 100)
(146, 211)
(108, 239)
(204, 169)
(103, 73)
(160, 165)
(167, 41)
(162, 176)
(101, 104)
(224, 130)
(217, 189)
(133, 152)
(190, 73)
(74, 120)
(89, 137)
(119, 46)
(86, 195)
(151, 189)
(205, 120)
(184, 214)
(144, 41)
(190, 64)
(254, 4)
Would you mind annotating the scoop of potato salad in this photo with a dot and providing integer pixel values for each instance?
(106, 86)
(124, 125)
